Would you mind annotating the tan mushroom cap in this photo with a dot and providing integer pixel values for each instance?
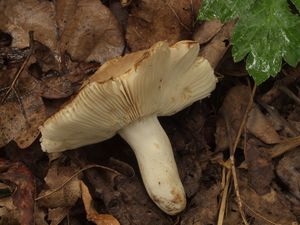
(161, 80)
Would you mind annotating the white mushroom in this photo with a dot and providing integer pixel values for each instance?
(125, 96)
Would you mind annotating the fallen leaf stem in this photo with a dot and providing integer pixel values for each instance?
(75, 175)
(18, 73)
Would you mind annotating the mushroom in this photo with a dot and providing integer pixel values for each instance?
(125, 96)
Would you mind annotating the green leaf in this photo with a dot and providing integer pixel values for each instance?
(265, 33)
(297, 4)
(223, 10)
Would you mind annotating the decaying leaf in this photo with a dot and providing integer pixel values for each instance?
(217, 47)
(20, 17)
(91, 213)
(260, 168)
(56, 215)
(207, 30)
(24, 111)
(288, 171)
(40, 217)
(20, 121)
(86, 29)
(233, 109)
(261, 127)
(265, 208)
(20, 205)
(152, 21)
(65, 196)
(126, 199)
(203, 206)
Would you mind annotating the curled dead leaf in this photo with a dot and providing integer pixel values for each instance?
(91, 213)
(261, 127)
(207, 30)
(67, 195)
(86, 29)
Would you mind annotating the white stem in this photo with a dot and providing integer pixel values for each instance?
(157, 164)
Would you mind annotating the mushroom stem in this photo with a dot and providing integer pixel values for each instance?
(157, 164)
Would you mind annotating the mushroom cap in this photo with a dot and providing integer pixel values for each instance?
(161, 80)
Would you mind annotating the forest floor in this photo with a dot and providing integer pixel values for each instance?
(237, 151)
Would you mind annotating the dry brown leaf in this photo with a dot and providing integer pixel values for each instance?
(260, 168)
(151, 21)
(91, 32)
(86, 29)
(261, 127)
(207, 30)
(20, 205)
(217, 47)
(20, 17)
(267, 209)
(221, 137)
(205, 206)
(40, 217)
(288, 171)
(24, 111)
(21, 125)
(91, 213)
(65, 196)
(57, 215)
(116, 191)
(233, 109)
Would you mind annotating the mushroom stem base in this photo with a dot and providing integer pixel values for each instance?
(157, 164)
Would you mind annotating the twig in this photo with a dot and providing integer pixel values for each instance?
(234, 175)
(74, 175)
(233, 149)
(18, 73)
(224, 198)
(249, 106)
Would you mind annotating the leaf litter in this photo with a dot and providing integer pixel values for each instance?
(254, 183)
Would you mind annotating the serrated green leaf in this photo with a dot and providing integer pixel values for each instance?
(223, 10)
(268, 32)
(297, 4)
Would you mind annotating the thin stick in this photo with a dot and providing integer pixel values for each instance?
(233, 149)
(237, 191)
(17, 75)
(224, 199)
(74, 175)
(249, 106)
